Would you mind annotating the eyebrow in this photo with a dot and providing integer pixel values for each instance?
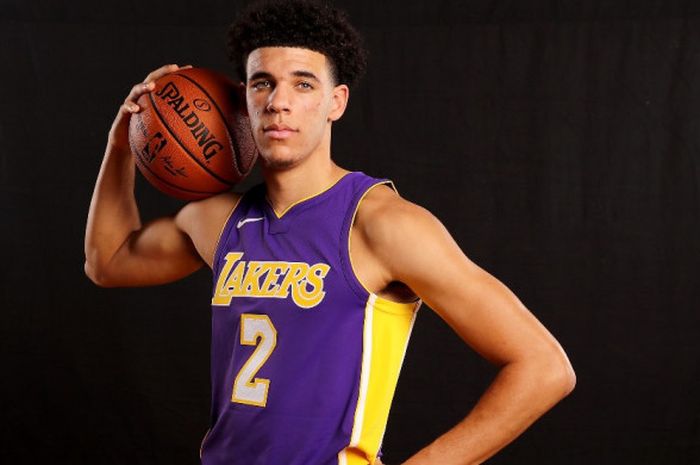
(260, 75)
(306, 74)
(298, 73)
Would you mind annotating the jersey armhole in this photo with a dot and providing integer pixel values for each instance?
(225, 231)
(355, 283)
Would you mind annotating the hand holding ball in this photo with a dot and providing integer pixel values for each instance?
(192, 137)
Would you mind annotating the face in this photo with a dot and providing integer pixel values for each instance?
(292, 102)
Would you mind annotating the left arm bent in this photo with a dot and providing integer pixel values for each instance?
(411, 246)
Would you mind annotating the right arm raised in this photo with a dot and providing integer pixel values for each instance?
(119, 250)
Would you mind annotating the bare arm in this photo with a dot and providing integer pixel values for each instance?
(412, 247)
(119, 250)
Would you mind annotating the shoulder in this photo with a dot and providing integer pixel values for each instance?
(383, 214)
(203, 221)
(207, 210)
(394, 228)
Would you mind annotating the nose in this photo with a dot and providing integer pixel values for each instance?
(278, 101)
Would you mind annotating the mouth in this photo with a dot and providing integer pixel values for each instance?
(278, 131)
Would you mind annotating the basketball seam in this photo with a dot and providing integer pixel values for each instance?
(165, 181)
(234, 142)
(187, 151)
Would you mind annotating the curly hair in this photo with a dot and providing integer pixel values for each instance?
(299, 23)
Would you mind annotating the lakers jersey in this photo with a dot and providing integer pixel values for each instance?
(304, 359)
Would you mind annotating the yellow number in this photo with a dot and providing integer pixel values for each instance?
(256, 330)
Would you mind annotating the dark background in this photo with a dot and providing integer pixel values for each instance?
(558, 142)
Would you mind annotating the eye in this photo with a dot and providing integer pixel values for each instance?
(259, 85)
(305, 85)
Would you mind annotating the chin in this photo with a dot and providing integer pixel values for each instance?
(278, 159)
(278, 164)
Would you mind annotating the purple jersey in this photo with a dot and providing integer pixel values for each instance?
(304, 359)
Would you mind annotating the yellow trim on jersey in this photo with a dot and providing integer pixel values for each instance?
(352, 222)
(280, 215)
(387, 329)
(201, 444)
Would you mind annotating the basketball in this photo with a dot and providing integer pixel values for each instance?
(192, 137)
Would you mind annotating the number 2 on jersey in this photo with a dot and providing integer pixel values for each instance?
(246, 388)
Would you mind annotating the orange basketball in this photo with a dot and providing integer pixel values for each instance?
(192, 137)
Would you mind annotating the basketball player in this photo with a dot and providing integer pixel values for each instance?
(318, 272)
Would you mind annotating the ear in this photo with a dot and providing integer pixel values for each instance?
(341, 94)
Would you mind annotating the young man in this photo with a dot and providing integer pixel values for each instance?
(318, 272)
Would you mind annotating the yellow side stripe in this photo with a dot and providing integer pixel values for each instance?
(386, 333)
(416, 306)
(366, 366)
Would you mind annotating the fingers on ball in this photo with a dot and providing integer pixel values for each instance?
(130, 107)
(162, 71)
(148, 85)
(138, 90)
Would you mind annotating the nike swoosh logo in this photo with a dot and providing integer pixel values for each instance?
(248, 220)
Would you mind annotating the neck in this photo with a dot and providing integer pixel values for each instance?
(287, 186)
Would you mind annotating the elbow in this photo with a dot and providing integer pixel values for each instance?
(567, 380)
(560, 376)
(97, 267)
(96, 274)
(570, 378)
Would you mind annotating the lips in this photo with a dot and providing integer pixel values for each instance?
(278, 131)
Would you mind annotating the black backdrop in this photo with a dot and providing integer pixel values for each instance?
(557, 141)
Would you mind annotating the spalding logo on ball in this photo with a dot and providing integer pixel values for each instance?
(192, 137)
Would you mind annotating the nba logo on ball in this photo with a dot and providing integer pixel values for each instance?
(192, 138)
